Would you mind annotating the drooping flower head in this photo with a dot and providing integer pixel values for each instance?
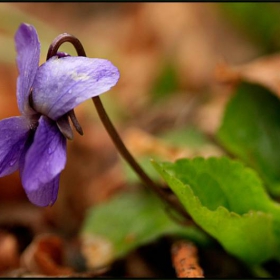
(34, 142)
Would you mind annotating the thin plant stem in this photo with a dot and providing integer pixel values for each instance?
(130, 159)
(175, 204)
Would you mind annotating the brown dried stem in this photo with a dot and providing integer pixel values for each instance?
(185, 260)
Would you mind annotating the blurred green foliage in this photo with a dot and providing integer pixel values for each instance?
(167, 82)
(259, 21)
(189, 136)
(132, 219)
(10, 19)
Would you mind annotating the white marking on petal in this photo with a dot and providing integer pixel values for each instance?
(79, 77)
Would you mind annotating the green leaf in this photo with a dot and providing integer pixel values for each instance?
(229, 202)
(133, 219)
(189, 138)
(251, 130)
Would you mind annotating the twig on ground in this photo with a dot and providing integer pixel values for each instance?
(185, 260)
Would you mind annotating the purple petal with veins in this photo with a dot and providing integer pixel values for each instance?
(44, 161)
(28, 56)
(46, 195)
(62, 84)
(14, 133)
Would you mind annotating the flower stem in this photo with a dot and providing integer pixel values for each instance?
(132, 162)
(175, 204)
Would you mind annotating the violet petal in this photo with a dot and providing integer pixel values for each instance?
(14, 134)
(28, 56)
(44, 161)
(46, 195)
(62, 84)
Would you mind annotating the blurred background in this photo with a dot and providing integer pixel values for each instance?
(167, 54)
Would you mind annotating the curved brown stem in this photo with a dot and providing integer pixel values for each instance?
(176, 205)
(131, 161)
(63, 38)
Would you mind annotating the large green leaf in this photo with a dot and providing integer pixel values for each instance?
(251, 130)
(229, 202)
(133, 219)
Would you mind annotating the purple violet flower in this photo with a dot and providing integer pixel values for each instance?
(33, 142)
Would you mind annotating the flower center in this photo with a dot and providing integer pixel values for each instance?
(63, 122)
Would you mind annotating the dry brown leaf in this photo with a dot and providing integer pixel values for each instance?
(192, 39)
(105, 185)
(11, 188)
(209, 114)
(45, 256)
(141, 143)
(138, 267)
(263, 71)
(8, 105)
(23, 215)
(185, 260)
(97, 251)
(9, 252)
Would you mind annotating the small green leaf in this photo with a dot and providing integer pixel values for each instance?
(251, 130)
(229, 202)
(133, 219)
